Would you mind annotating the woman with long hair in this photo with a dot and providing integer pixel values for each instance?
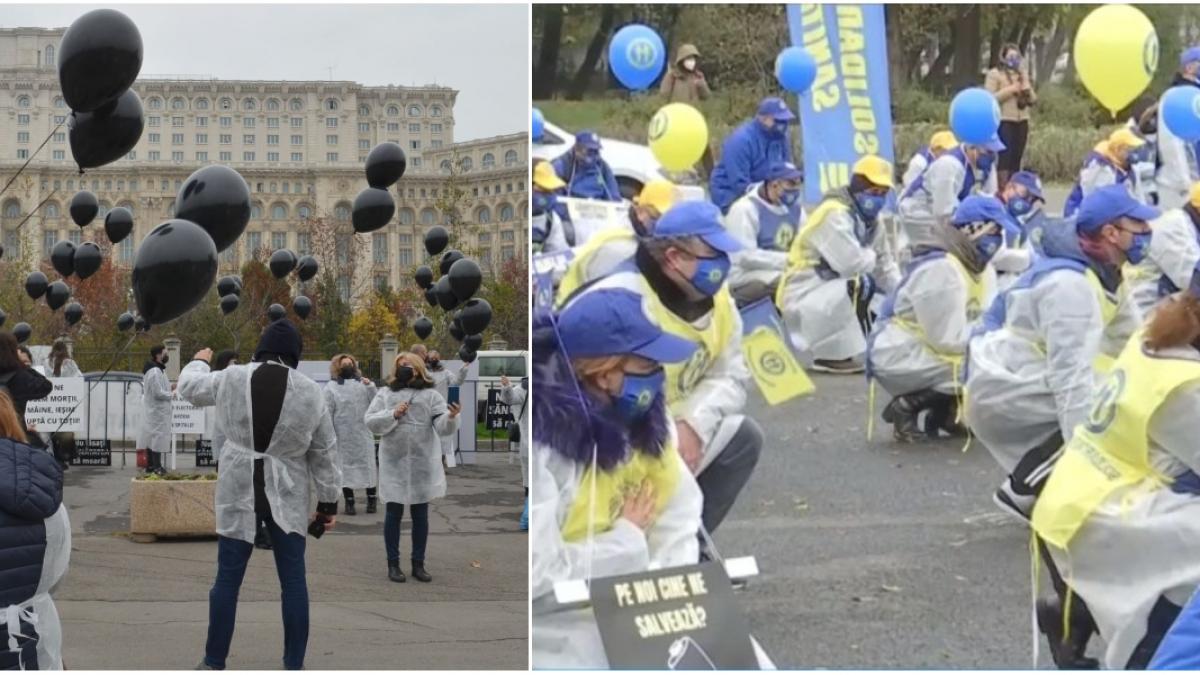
(347, 395)
(23, 383)
(62, 365)
(410, 416)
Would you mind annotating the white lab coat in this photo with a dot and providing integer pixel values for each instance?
(1019, 396)
(916, 166)
(410, 453)
(155, 432)
(819, 313)
(347, 403)
(442, 381)
(1174, 251)
(40, 609)
(753, 264)
(302, 448)
(515, 397)
(1095, 175)
(937, 199)
(1142, 542)
(1179, 168)
(934, 297)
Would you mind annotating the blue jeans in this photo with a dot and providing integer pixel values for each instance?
(232, 557)
(391, 530)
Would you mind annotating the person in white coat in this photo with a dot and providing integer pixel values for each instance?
(834, 265)
(1174, 252)
(765, 220)
(224, 359)
(409, 416)
(516, 397)
(1178, 168)
(940, 143)
(949, 179)
(154, 436)
(279, 445)
(443, 379)
(347, 396)
(1032, 364)
(1022, 196)
(1109, 163)
(60, 364)
(916, 349)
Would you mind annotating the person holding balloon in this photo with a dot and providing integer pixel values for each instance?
(1179, 132)
(443, 379)
(1174, 253)
(765, 220)
(1109, 163)
(951, 178)
(585, 172)
(939, 144)
(1009, 83)
(834, 264)
(550, 227)
(749, 152)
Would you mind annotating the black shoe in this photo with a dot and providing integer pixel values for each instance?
(889, 412)
(1068, 652)
(419, 573)
(350, 510)
(371, 504)
(839, 367)
(394, 573)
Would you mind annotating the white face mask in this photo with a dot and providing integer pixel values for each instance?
(689, 63)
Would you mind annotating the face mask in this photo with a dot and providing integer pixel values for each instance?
(870, 204)
(711, 273)
(985, 161)
(1013, 62)
(689, 64)
(790, 197)
(348, 373)
(433, 363)
(404, 374)
(1019, 206)
(638, 394)
(987, 245)
(166, 360)
(543, 202)
(1136, 253)
(590, 158)
(779, 129)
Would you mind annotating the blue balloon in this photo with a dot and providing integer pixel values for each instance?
(1181, 112)
(539, 124)
(974, 115)
(795, 69)
(636, 55)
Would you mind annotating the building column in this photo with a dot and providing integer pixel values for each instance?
(172, 344)
(389, 348)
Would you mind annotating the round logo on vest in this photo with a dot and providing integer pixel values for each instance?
(1105, 409)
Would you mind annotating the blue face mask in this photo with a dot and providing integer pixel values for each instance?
(985, 161)
(789, 197)
(1013, 62)
(711, 273)
(638, 394)
(589, 158)
(543, 202)
(870, 204)
(1136, 253)
(779, 129)
(987, 246)
(1019, 206)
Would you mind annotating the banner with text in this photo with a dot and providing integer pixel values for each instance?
(62, 410)
(185, 417)
(847, 114)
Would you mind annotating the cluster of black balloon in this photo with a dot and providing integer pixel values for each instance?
(282, 263)
(460, 280)
(57, 294)
(374, 206)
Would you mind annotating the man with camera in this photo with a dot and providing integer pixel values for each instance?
(1009, 83)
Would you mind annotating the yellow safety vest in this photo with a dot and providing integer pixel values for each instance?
(1111, 449)
(612, 487)
(801, 256)
(975, 298)
(576, 274)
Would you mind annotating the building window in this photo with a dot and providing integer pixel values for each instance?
(485, 258)
(435, 128)
(428, 217)
(58, 100)
(414, 111)
(253, 242)
(506, 213)
(414, 128)
(202, 121)
(485, 238)
(297, 156)
(177, 156)
(201, 104)
(342, 211)
(304, 243)
(507, 253)
(278, 240)
(303, 211)
(49, 239)
(247, 156)
(364, 127)
(379, 248)
(60, 119)
(226, 156)
(295, 104)
(51, 210)
(75, 237)
(406, 240)
(201, 156)
(273, 157)
(364, 144)
(331, 157)
(248, 139)
(279, 212)
(507, 235)
(226, 139)
(12, 209)
(226, 104)
(364, 110)
(126, 250)
(510, 158)
(446, 168)
(406, 218)
(23, 120)
(178, 104)
(393, 111)
(249, 104)
(154, 104)
(297, 122)
(393, 127)
(176, 121)
(201, 139)
(247, 122)
(330, 122)
(415, 144)
(489, 160)
(406, 257)
(466, 164)
(176, 139)
(381, 282)
(272, 122)
(154, 155)
(22, 136)
(331, 140)
(435, 111)
(483, 215)
(154, 121)
(331, 104)
(226, 122)
(435, 143)
(342, 248)
(166, 185)
(155, 138)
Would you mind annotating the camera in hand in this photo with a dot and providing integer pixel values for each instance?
(317, 527)
(1024, 100)
(514, 433)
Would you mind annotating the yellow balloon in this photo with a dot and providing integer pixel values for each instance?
(678, 136)
(1116, 54)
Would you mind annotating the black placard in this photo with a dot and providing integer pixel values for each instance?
(683, 618)
(499, 414)
(204, 456)
(93, 452)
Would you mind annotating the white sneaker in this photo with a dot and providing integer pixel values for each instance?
(1019, 506)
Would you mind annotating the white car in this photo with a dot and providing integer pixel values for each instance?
(632, 165)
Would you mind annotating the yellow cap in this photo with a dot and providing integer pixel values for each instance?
(545, 178)
(875, 169)
(1194, 195)
(1124, 138)
(942, 141)
(659, 194)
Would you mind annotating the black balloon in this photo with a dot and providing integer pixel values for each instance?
(83, 208)
(473, 342)
(62, 256)
(424, 277)
(22, 331)
(436, 240)
(88, 259)
(306, 268)
(229, 286)
(423, 327)
(3, 317)
(229, 302)
(57, 294)
(431, 297)
(445, 296)
(276, 312)
(475, 316)
(35, 284)
(125, 321)
(118, 224)
(108, 134)
(217, 199)
(373, 208)
(466, 355)
(465, 278)
(302, 306)
(449, 258)
(456, 331)
(385, 165)
(176, 264)
(73, 313)
(140, 325)
(99, 57)
(282, 263)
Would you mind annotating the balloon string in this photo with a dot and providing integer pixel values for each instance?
(35, 210)
(30, 159)
(100, 379)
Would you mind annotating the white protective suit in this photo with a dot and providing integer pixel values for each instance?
(937, 198)
(1174, 251)
(40, 609)
(302, 448)
(155, 433)
(1097, 174)
(764, 258)
(819, 313)
(1179, 168)
(410, 452)
(442, 381)
(1034, 377)
(916, 166)
(1142, 542)
(515, 397)
(556, 236)
(347, 403)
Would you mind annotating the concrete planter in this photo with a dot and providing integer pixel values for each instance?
(172, 508)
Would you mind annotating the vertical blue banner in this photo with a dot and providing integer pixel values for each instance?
(847, 113)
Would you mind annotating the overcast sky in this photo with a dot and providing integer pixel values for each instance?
(480, 50)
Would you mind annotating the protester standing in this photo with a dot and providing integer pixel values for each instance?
(155, 434)
(21, 381)
(1009, 83)
(684, 81)
(62, 365)
(1178, 165)
(442, 381)
(517, 398)
(347, 395)
(750, 151)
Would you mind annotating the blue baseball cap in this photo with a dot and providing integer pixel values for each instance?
(588, 139)
(1189, 55)
(614, 321)
(783, 171)
(985, 209)
(775, 107)
(1030, 181)
(696, 219)
(1108, 204)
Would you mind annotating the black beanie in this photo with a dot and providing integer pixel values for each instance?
(280, 338)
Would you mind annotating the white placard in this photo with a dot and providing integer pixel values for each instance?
(47, 414)
(185, 417)
(590, 216)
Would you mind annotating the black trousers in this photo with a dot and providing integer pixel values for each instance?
(1013, 135)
